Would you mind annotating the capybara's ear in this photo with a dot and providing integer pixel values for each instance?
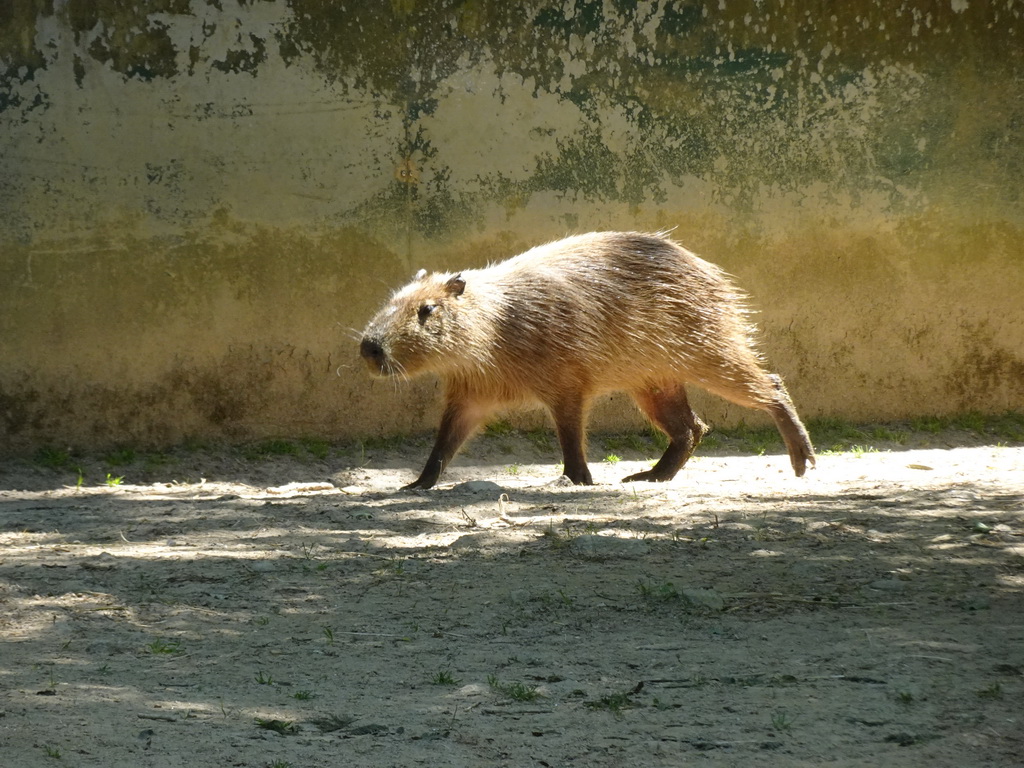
(420, 275)
(456, 285)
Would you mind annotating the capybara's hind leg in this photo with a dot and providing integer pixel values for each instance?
(798, 442)
(747, 384)
(669, 410)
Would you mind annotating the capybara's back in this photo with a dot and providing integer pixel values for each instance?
(564, 322)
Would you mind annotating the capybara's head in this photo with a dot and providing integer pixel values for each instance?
(418, 329)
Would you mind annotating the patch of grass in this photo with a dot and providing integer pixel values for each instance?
(53, 752)
(155, 461)
(332, 723)
(302, 695)
(994, 691)
(659, 438)
(629, 441)
(53, 458)
(444, 677)
(931, 424)
(860, 450)
(558, 539)
(755, 440)
(164, 647)
(516, 691)
(710, 442)
(1009, 426)
(120, 457)
(500, 428)
(513, 469)
(383, 443)
(284, 727)
(886, 434)
(263, 679)
(112, 481)
(271, 448)
(540, 439)
(616, 702)
(972, 421)
(1006, 426)
(781, 721)
(612, 458)
(655, 594)
(318, 449)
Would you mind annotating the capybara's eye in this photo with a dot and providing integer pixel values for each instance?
(426, 311)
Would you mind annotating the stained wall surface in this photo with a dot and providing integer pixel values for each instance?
(201, 203)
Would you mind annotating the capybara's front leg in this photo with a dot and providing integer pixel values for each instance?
(458, 423)
(569, 415)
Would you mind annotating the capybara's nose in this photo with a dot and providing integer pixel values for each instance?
(371, 350)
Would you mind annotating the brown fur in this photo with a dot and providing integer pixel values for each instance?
(574, 319)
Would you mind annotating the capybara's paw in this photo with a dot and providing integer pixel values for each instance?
(649, 476)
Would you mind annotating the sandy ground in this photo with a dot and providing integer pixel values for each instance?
(298, 612)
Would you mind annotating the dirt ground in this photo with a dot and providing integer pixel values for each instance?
(215, 609)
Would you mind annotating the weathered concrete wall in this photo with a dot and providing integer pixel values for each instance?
(200, 202)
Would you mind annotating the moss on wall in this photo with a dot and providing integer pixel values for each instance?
(202, 202)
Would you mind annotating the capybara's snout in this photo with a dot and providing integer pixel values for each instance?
(373, 353)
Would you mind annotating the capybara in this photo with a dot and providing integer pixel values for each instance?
(565, 322)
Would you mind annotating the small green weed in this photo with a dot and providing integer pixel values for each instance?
(53, 752)
(444, 677)
(781, 721)
(631, 441)
(120, 457)
(318, 449)
(54, 458)
(616, 702)
(500, 428)
(166, 647)
(270, 448)
(284, 727)
(657, 593)
(516, 691)
(112, 481)
(302, 695)
(659, 438)
(559, 539)
(384, 443)
(860, 450)
(540, 439)
(611, 458)
(972, 421)
(263, 679)
(994, 691)
(513, 469)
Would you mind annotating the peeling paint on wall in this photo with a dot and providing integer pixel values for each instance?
(191, 179)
